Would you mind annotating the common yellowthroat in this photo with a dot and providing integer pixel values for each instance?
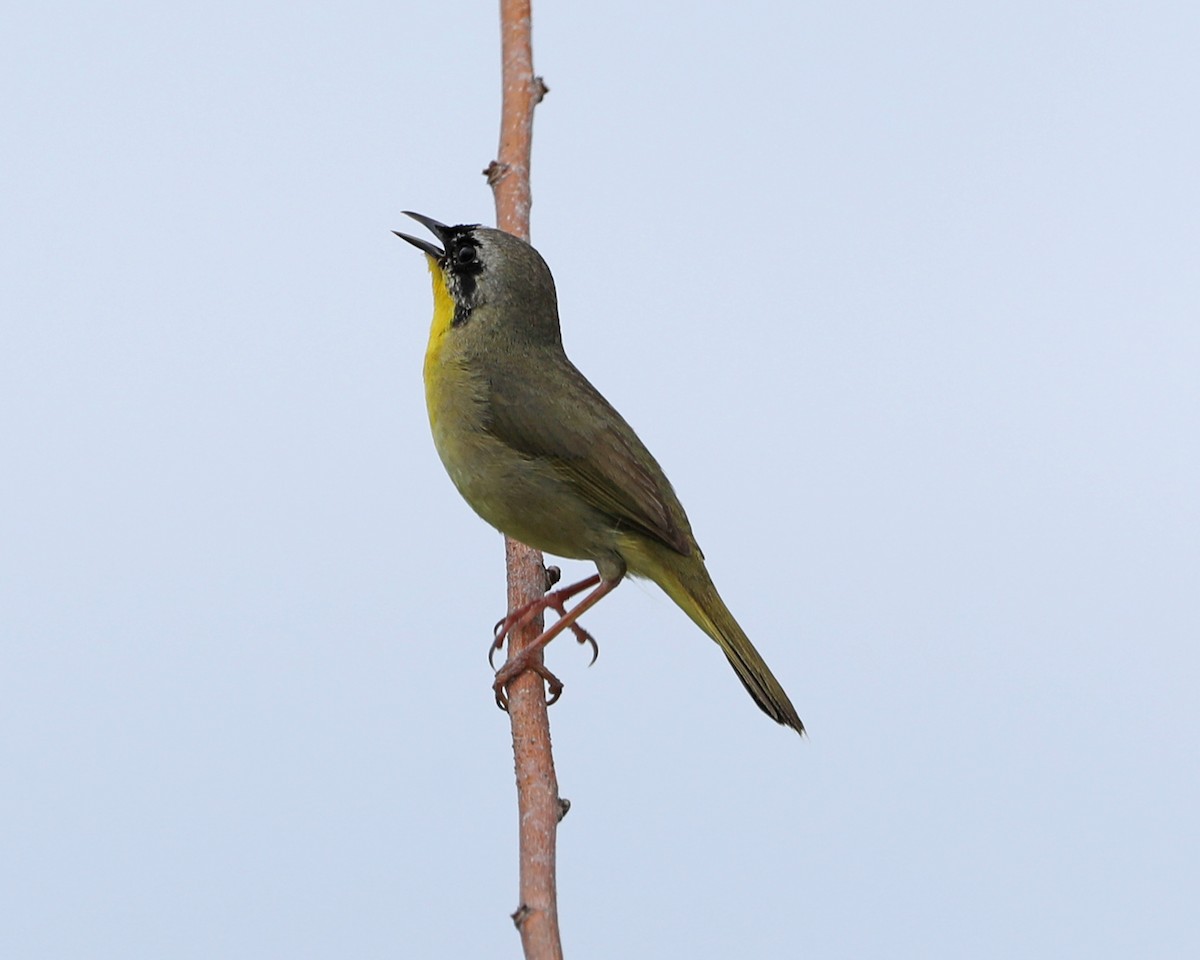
(535, 449)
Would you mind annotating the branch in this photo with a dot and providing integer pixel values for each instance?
(538, 804)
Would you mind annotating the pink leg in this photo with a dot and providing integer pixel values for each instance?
(556, 601)
(530, 657)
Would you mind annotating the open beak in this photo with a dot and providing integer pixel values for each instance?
(440, 230)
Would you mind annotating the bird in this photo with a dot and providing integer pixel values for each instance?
(540, 455)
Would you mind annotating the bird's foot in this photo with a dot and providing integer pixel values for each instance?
(530, 656)
(556, 601)
(529, 659)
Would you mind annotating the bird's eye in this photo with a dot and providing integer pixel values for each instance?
(464, 255)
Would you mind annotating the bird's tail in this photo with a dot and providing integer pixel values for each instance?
(688, 584)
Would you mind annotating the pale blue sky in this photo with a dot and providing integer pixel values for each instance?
(904, 299)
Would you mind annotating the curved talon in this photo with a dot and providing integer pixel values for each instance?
(556, 601)
(582, 636)
(516, 618)
(530, 657)
(498, 636)
(513, 669)
(508, 624)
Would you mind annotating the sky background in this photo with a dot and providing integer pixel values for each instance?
(902, 296)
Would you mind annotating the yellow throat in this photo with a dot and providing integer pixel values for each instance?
(443, 318)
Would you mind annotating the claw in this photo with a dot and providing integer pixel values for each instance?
(513, 669)
(530, 657)
(508, 624)
(582, 636)
(516, 618)
(498, 636)
(555, 601)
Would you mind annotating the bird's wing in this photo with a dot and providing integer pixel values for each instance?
(591, 446)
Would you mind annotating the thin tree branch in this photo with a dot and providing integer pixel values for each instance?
(538, 805)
